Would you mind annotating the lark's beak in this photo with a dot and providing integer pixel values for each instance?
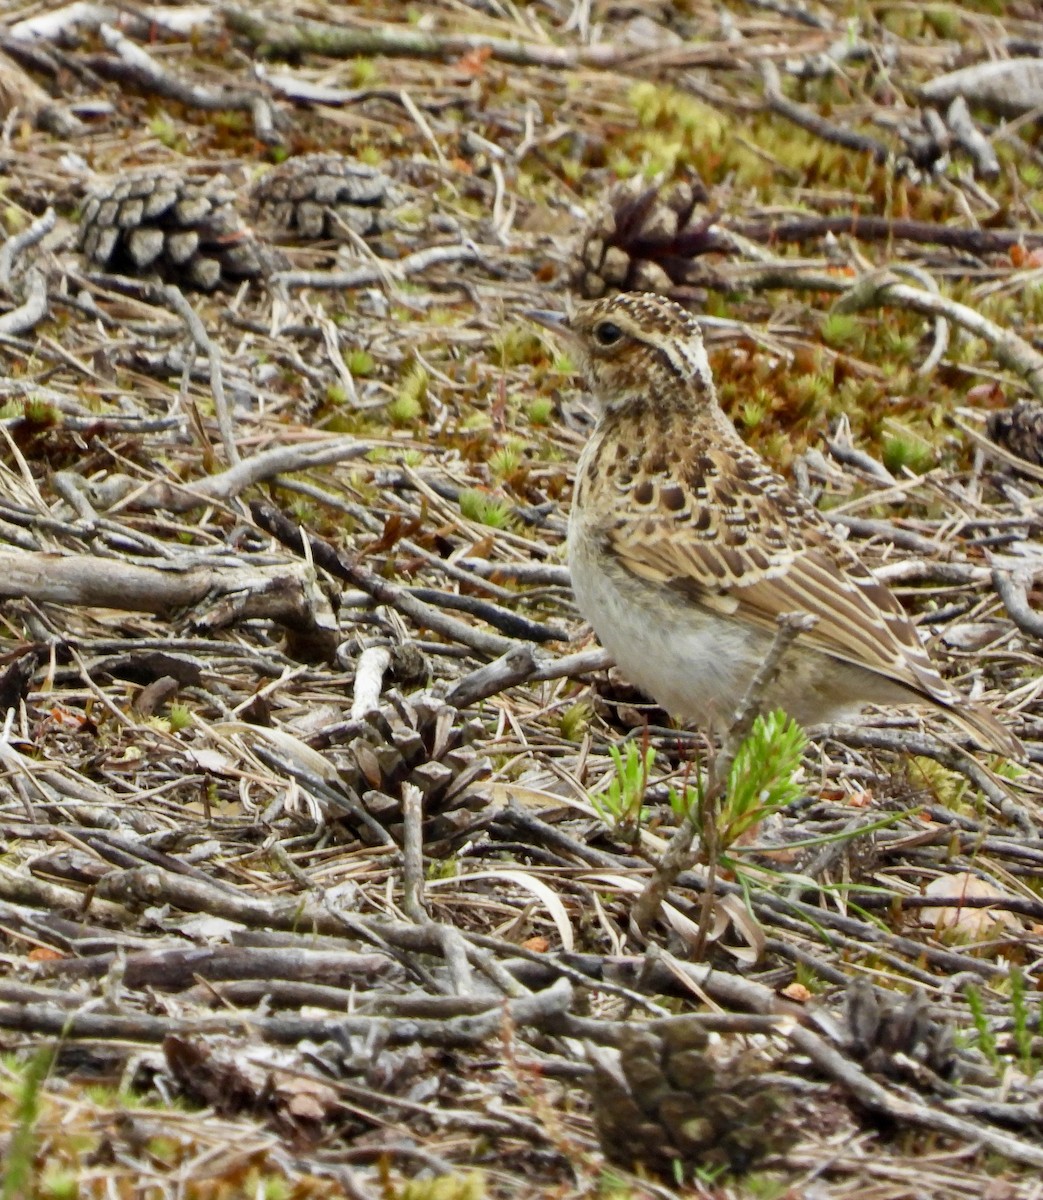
(556, 322)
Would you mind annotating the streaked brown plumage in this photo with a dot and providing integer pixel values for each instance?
(685, 546)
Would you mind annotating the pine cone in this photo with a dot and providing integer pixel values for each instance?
(666, 1098)
(647, 241)
(1019, 430)
(880, 1026)
(424, 742)
(320, 196)
(186, 230)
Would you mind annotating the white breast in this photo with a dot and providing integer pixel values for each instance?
(693, 663)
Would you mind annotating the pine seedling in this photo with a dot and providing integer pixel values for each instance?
(1022, 1015)
(765, 775)
(985, 1037)
(621, 805)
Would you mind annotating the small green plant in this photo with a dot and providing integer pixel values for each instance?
(574, 720)
(179, 716)
(518, 344)
(469, 1185)
(984, 1036)
(21, 1148)
(1023, 1031)
(363, 72)
(488, 510)
(764, 776)
(59, 1184)
(360, 363)
(408, 403)
(504, 461)
(541, 410)
(166, 132)
(621, 804)
(907, 451)
(841, 329)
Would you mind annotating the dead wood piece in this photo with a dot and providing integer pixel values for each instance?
(538, 1009)
(21, 888)
(121, 491)
(289, 39)
(1012, 588)
(284, 594)
(911, 742)
(873, 228)
(31, 311)
(811, 121)
(135, 67)
(175, 970)
(197, 331)
(971, 139)
(514, 667)
(20, 93)
(384, 592)
(1007, 86)
(380, 272)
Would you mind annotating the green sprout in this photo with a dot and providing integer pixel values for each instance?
(621, 804)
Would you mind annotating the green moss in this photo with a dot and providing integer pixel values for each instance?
(360, 363)
(946, 22)
(408, 403)
(517, 345)
(458, 1186)
(179, 716)
(479, 506)
(574, 721)
(540, 410)
(841, 329)
(166, 132)
(906, 450)
(363, 72)
(504, 461)
(59, 1183)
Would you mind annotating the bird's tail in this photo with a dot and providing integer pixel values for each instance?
(985, 729)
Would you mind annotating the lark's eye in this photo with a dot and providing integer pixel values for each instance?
(607, 334)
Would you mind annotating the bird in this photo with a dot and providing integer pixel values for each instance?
(685, 546)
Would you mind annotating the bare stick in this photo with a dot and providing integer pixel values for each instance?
(20, 242)
(1011, 350)
(413, 853)
(378, 270)
(369, 679)
(1012, 587)
(197, 332)
(29, 313)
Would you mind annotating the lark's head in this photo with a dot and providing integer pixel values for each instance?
(637, 346)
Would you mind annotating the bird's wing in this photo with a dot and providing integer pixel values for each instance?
(733, 536)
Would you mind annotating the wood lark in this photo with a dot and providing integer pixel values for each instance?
(685, 546)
